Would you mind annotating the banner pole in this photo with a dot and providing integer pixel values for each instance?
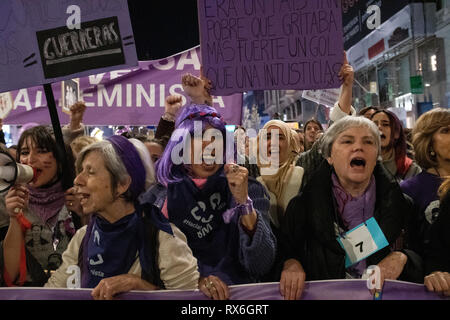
(58, 134)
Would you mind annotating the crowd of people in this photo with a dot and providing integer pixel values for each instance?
(134, 217)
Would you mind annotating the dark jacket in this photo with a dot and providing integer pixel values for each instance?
(308, 230)
(164, 128)
(2, 137)
(310, 161)
(437, 255)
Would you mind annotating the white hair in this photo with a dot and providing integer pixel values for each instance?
(344, 124)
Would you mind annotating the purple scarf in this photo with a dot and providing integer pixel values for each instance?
(110, 249)
(132, 162)
(354, 211)
(46, 203)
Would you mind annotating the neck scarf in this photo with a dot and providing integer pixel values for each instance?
(197, 212)
(110, 249)
(354, 211)
(275, 183)
(46, 203)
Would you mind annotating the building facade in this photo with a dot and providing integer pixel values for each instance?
(402, 64)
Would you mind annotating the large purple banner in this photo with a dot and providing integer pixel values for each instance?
(46, 41)
(273, 44)
(314, 290)
(124, 97)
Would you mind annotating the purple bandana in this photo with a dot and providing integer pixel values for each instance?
(354, 211)
(132, 161)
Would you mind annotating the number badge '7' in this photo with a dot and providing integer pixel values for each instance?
(362, 241)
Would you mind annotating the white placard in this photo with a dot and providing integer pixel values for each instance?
(6, 104)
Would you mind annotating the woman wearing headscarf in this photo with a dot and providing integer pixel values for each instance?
(123, 247)
(222, 211)
(283, 183)
(346, 216)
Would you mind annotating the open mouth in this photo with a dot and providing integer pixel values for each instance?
(84, 197)
(382, 136)
(209, 159)
(38, 172)
(358, 163)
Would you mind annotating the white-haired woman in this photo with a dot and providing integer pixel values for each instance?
(350, 204)
(122, 248)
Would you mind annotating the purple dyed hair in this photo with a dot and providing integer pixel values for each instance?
(166, 171)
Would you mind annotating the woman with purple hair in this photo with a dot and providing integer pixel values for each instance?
(222, 211)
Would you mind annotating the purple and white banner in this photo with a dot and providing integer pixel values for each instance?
(314, 290)
(132, 96)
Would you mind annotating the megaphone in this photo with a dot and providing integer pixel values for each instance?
(12, 173)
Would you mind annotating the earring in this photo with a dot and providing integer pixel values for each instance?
(432, 153)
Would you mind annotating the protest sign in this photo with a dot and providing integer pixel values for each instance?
(341, 289)
(327, 97)
(133, 96)
(40, 45)
(64, 52)
(70, 94)
(273, 44)
(6, 104)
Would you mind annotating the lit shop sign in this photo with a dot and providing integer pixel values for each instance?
(387, 36)
(405, 101)
(358, 17)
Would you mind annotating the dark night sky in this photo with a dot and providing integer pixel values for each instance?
(162, 27)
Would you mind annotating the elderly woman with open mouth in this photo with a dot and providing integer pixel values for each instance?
(346, 216)
(123, 247)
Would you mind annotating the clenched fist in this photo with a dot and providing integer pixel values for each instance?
(197, 88)
(16, 200)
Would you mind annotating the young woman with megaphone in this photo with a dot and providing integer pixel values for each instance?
(35, 210)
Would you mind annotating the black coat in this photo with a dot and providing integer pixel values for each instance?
(2, 137)
(308, 230)
(437, 255)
